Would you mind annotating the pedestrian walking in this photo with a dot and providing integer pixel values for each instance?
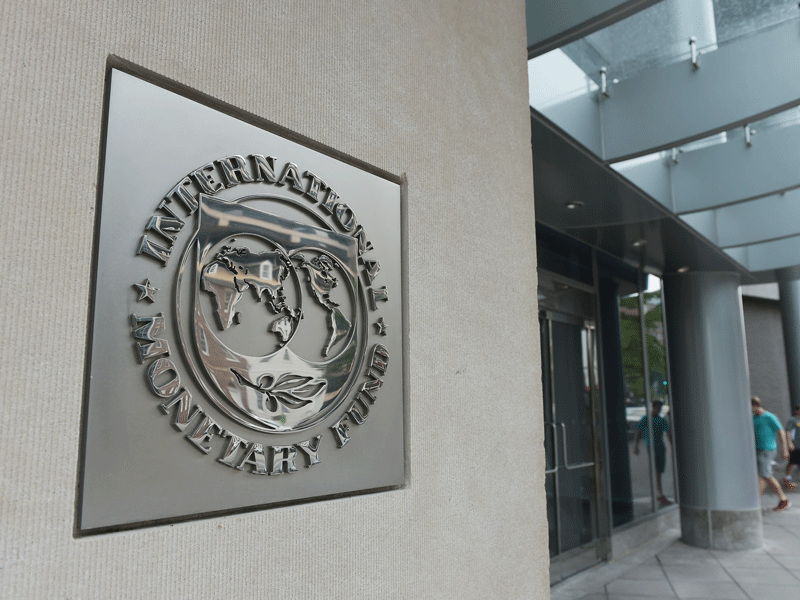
(766, 426)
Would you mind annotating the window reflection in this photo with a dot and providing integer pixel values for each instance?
(651, 464)
(659, 381)
(630, 334)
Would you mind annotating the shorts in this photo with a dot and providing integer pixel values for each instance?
(764, 460)
(794, 457)
(661, 458)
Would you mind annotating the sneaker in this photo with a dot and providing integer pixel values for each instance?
(788, 484)
(782, 505)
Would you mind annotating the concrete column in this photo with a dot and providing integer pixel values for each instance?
(714, 441)
(789, 288)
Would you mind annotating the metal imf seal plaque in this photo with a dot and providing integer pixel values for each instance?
(246, 345)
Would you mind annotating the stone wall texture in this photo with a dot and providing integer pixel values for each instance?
(433, 91)
(766, 356)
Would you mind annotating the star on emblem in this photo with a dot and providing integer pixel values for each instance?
(382, 326)
(145, 291)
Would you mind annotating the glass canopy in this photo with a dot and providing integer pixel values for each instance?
(717, 145)
(653, 38)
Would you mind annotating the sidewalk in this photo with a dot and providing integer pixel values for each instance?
(667, 569)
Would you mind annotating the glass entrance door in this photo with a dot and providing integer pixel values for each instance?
(572, 449)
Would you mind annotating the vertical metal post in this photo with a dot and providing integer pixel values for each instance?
(603, 472)
(604, 83)
(671, 416)
(695, 56)
(589, 333)
(646, 368)
(552, 374)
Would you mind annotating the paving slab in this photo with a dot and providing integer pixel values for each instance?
(770, 591)
(753, 560)
(641, 588)
(668, 569)
(654, 572)
(627, 597)
(697, 572)
(720, 590)
(789, 562)
(755, 576)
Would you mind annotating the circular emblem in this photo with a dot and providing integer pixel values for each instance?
(271, 300)
(271, 318)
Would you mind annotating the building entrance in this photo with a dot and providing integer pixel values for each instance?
(570, 384)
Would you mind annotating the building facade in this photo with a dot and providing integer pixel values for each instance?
(434, 94)
(652, 198)
(532, 430)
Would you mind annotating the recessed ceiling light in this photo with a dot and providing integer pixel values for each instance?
(683, 269)
(573, 204)
(639, 243)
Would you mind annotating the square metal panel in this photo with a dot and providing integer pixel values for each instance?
(246, 345)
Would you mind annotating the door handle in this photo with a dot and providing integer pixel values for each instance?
(568, 466)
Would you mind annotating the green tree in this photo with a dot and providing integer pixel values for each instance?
(631, 338)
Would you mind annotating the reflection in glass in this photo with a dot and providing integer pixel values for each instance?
(635, 400)
(659, 382)
(574, 416)
(659, 35)
(569, 384)
(648, 40)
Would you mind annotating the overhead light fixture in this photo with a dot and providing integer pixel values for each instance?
(639, 243)
(683, 269)
(573, 204)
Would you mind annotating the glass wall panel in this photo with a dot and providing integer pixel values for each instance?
(570, 410)
(737, 18)
(614, 391)
(659, 391)
(648, 40)
(781, 120)
(635, 401)
(659, 36)
(576, 475)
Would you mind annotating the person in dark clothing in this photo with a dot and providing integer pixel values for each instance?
(661, 427)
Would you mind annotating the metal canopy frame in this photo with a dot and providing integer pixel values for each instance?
(744, 80)
(768, 256)
(764, 220)
(739, 200)
(615, 215)
(559, 23)
(723, 174)
(745, 199)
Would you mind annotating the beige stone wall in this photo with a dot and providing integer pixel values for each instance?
(435, 91)
(766, 355)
